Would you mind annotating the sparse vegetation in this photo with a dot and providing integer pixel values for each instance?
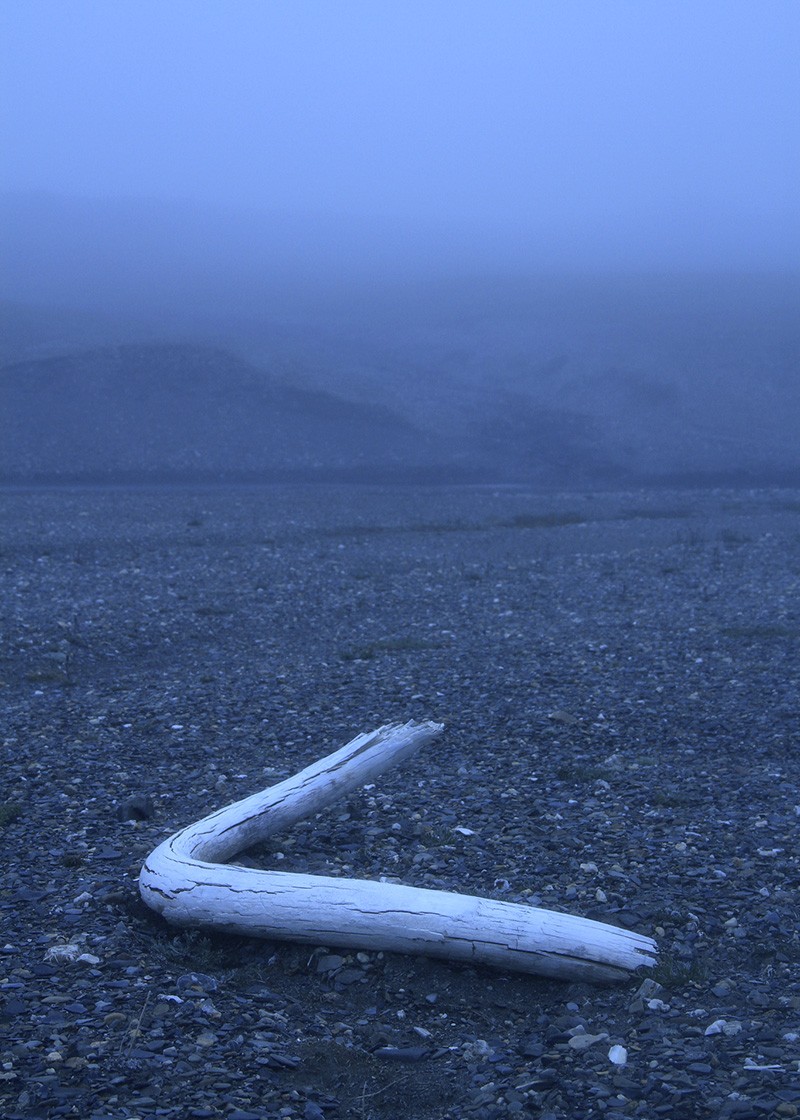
(551, 520)
(9, 811)
(207, 610)
(733, 537)
(73, 859)
(656, 513)
(674, 973)
(198, 952)
(46, 676)
(760, 631)
(387, 645)
(669, 797)
(575, 772)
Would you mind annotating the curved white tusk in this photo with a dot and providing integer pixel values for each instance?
(187, 881)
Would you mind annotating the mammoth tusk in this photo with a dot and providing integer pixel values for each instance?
(189, 882)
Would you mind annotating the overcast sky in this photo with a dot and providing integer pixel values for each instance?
(666, 130)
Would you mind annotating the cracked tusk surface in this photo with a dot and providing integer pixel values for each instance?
(189, 882)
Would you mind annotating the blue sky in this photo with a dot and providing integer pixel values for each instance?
(590, 129)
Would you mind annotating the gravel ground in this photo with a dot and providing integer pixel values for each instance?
(618, 674)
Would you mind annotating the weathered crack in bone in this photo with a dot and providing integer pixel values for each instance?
(187, 880)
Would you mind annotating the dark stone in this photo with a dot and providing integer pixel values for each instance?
(349, 976)
(196, 983)
(43, 970)
(137, 807)
(284, 1061)
(403, 1053)
(12, 1008)
(330, 962)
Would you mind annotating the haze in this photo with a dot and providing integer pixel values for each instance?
(526, 229)
(625, 133)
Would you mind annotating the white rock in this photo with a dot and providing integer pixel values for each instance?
(58, 953)
(584, 1041)
(479, 1050)
(750, 1064)
(618, 1055)
(657, 1005)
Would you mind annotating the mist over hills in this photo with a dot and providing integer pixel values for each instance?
(140, 344)
(166, 413)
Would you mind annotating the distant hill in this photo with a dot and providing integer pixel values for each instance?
(165, 413)
(587, 381)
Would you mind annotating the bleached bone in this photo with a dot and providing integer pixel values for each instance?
(187, 880)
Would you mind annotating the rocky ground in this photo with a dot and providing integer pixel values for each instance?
(618, 674)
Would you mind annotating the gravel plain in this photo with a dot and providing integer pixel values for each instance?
(618, 675)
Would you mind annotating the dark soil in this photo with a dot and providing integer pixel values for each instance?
(618, 675)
